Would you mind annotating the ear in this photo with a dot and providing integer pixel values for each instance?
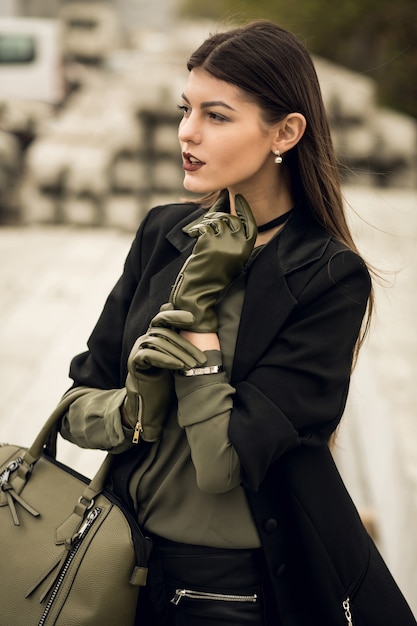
(289, 132)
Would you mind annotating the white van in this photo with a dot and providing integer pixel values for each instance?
(30, 60)
(31, 85)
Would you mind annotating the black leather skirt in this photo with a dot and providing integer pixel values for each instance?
(201, 586)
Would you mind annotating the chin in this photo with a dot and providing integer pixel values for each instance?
(195, 186)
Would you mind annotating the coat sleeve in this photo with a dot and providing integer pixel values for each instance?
(297, 391)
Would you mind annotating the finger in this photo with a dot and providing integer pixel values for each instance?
(168, 343)
(172, 318)
(221, 224)
(148, 358)
(197, 230)
(201, 226)
(171, 342)
(197, 227)
(244, 213)
(154, 356)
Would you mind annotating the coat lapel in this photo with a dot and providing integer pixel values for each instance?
(273, 285)
(161, 283)
(266, 305)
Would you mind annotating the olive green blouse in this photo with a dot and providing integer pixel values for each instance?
(188, 490)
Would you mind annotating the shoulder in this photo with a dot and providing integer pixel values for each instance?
(340, 273)
(343, 261)
(311, 257)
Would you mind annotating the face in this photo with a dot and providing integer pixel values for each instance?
(224, 143)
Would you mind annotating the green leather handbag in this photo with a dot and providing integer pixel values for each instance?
(71, 554)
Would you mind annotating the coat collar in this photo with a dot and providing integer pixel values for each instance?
(177, 237)
(162, 282)
(181, 240)
(302, 241)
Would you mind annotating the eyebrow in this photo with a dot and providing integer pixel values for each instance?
(211, 103)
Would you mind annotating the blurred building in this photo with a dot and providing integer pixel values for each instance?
(105, 150)
(152, 13)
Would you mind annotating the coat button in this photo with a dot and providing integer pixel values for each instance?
(280, 570)
(270, 525)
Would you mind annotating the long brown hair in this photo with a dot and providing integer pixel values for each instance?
(277, 72)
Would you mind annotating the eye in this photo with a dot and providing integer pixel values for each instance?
(217, 117)
(183, 108)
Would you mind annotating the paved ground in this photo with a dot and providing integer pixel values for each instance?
(53, 282)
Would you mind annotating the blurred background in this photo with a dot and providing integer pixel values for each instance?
(88, 143)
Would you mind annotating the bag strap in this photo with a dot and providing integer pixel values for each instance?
(35, 451)
(50, 430)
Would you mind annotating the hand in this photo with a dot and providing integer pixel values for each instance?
(224, 245)
(149, 384)
(162, 346)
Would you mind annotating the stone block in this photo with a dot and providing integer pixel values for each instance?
(129, 174)
(168, 174)
(124, 211)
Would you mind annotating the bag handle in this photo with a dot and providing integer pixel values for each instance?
(49, 429)
(34, 452)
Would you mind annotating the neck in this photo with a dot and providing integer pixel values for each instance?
(267, 203)
(277, 221)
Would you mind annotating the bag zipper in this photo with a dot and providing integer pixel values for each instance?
(348, 614)
(141, 543)
(11, 495)
(11, 467)
(75, 546)
(204, 595)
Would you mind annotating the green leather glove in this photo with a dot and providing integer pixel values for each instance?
(147, 403)
(149, 383)
(224, 245)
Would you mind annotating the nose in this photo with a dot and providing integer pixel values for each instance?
(189, 130)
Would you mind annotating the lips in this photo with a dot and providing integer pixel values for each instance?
(191, 163)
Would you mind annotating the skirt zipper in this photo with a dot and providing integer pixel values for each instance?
(204, 595)
(75, 546)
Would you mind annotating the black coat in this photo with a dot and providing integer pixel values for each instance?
(305, 299)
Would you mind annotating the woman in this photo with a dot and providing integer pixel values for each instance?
(224, 353)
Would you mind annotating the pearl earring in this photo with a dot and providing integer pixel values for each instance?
(278, 157)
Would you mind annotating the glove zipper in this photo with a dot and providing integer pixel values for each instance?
(138, 425)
